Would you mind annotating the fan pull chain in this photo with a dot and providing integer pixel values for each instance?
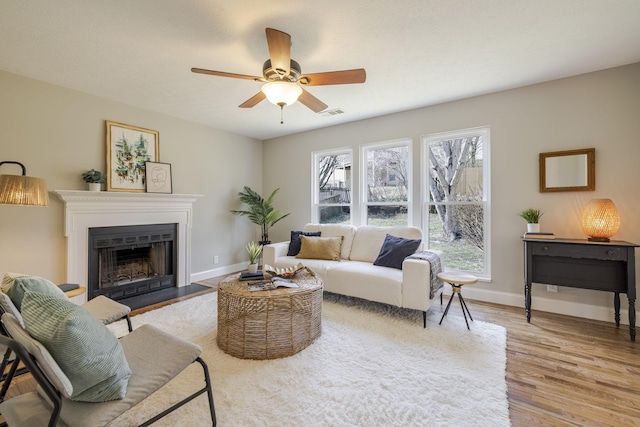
(281, 104)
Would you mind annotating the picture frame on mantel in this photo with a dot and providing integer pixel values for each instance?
(129, 148)
(158, 177)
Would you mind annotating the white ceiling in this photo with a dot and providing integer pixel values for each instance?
(416, 52)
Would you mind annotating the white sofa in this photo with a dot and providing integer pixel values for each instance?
(355, 275)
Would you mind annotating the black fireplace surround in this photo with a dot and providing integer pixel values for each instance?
(127, 261)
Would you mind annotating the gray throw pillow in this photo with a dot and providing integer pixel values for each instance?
(86, 351)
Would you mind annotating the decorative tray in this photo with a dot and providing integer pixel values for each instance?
(284, 271)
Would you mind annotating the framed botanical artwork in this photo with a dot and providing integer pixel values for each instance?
(129, 148)
(158, 177)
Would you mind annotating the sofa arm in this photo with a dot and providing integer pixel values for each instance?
(273, 251)
(416, 283)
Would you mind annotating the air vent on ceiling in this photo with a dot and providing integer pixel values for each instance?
(332, 112)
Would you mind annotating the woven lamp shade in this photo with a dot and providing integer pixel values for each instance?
(23, 190)
(600, 220)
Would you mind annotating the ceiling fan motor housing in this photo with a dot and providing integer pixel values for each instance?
(273, 74)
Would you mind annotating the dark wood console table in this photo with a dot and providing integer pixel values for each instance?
(601, 266)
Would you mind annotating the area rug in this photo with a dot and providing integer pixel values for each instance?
(372, 365)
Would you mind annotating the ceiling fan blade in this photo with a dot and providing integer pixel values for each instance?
(312, 102)
(253, 101)
(223, 74)
(279, 51)
(343, 77)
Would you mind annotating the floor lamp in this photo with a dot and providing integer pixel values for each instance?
(26, 191)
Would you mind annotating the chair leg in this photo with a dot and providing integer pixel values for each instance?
(207, 380)
(9, 377)
(424, 318)
(206, 388)
(5, 362)
(128, 323)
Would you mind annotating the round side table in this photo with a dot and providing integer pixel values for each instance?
(457, 280)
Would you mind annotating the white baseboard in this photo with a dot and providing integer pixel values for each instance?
(568, 308)
(221, 271)
(587, 311)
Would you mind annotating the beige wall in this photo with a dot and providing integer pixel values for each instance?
(600, 110)
(59, 133)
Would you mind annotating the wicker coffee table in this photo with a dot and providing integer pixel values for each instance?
(269, 324)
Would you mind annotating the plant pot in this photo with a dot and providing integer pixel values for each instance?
(95, 186)
(252, 268)
(533, 228)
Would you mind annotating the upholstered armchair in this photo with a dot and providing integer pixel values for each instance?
(86, 376)
(15, 285)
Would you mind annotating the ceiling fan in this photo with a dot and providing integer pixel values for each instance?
(283, 77)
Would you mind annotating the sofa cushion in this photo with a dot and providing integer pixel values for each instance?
(394, 250)
(294, 243)
(336, 230)
(86, 351)
(367, 281)
(369, 239)
(23, 284)
(320, 248)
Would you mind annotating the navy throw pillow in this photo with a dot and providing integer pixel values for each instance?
(295, 243)
(394, 250)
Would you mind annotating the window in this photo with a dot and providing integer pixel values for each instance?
(332, 186)
(386, 172)
(455, 168)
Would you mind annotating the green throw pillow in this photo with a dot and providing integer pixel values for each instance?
(86, 351)
(23, 284)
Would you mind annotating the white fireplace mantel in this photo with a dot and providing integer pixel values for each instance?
(87, 209)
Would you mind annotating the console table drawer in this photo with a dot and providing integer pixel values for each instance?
(611, 253)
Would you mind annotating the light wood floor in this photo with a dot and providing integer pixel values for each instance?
(561, 370)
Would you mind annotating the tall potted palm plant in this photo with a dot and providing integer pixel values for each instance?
(260, 211)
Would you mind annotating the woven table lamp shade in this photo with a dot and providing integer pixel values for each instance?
(22, 189)
(600, 220)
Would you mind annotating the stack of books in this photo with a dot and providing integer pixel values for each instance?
(245, 275)
(540, 235)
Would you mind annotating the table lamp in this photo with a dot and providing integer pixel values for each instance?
(600, 220)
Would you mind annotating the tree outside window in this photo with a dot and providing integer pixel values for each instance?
(457, 197)
(333, 183)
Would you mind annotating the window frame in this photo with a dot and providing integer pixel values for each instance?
(364, 202)
(315, 184)
(425, 177)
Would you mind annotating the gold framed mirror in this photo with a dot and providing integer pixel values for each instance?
(571, 170)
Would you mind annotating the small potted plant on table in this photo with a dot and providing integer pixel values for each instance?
(94, 178)
(532, 216)
(254, 250)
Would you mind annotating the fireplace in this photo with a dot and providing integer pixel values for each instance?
(131, 260)
(85, 210)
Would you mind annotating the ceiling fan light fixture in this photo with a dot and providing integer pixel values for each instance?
(282, 93)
